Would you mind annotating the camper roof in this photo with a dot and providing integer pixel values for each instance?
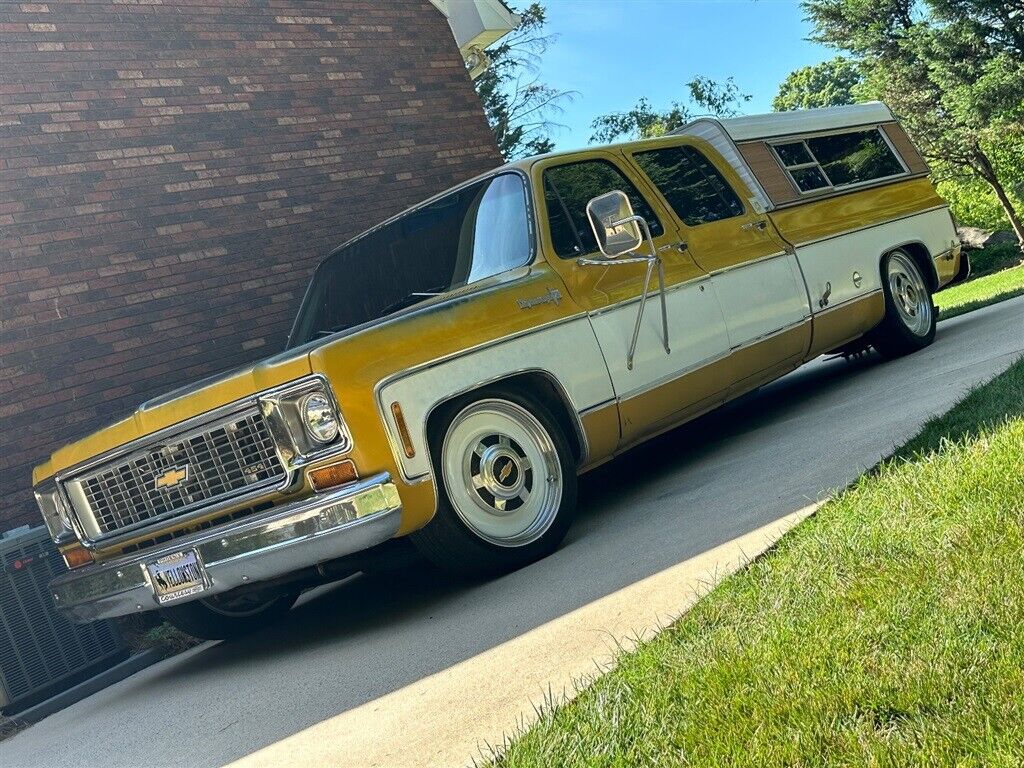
(804, 121)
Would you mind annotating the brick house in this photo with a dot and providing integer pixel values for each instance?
(171, 172)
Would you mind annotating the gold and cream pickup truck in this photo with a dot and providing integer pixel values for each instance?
(453, 370)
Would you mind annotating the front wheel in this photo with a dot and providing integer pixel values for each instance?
(230, 615)
(506, 483)
(910, 316)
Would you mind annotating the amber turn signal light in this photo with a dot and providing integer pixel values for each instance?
(76, 557)
(332, 475)
(403, 430)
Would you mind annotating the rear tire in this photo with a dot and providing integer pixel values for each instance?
(506, 485)
(910, 315)
(225, 616)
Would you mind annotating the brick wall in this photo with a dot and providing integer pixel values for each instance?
(171, 171)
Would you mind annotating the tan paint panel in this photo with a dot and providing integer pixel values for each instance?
(844, 323)
(865, 207)
(947, 265)
(601, 427)
(905, 147)
(768, 171)
(711, 385)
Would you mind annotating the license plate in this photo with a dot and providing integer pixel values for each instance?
(177, 576)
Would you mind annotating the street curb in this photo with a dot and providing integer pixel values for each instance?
(104, 679)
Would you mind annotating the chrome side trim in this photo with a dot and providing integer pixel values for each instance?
(275, 543)
(845, 232)
(708, 361)
(751, 262)
(531, 217)
(397, 450)
(685, 283)
(847, 302)
(636, 299)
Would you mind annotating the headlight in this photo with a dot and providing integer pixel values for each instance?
(318, 417)
(54, 514)
(305, 421)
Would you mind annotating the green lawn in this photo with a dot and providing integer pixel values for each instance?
(980, 292)
(886, 630)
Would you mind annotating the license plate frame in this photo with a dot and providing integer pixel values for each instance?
(177, 576)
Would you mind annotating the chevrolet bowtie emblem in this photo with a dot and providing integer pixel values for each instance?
(505, 472)
(171, 477)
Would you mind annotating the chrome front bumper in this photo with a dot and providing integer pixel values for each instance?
(273, 543)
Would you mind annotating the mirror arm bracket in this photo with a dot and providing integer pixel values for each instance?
(652, 260)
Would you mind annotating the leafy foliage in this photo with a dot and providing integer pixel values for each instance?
(519, 107)
(953, 72)
(643, 121)
(831, 83)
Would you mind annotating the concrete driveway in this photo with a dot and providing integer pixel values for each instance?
(409, 668)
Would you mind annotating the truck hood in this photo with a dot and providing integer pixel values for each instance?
(205, 395)
(179, 405)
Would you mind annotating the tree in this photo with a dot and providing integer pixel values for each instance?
(519, 107)
(951, 70)
(831, 83)
(643, 121)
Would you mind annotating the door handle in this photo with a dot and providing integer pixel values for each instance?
(760, 225)
(680, 246)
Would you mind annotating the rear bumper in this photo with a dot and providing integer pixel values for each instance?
(271, 544)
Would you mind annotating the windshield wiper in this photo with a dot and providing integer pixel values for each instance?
(413, 298)
(406, 301)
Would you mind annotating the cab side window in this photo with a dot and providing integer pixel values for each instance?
(693, 187)
(568, 189)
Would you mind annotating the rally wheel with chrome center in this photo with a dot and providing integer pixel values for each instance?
(910, 316)
(507, 484)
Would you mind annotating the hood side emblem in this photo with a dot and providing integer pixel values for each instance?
(552, 296)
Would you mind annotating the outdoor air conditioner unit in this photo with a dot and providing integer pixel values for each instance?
(41, 652)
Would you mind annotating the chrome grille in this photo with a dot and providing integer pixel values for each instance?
(182, 473)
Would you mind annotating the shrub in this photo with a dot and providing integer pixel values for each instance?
(995, 258)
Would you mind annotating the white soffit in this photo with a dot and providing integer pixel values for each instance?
(477, 23)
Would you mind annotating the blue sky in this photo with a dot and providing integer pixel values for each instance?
(614, 51)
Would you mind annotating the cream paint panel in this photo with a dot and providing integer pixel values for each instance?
(567, 350)
(697, 333)
(761, 298)
(834, 261)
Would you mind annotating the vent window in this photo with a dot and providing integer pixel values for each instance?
(839, 160)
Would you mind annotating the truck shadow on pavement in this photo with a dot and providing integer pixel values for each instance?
(418, 621)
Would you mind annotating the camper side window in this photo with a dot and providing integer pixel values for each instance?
(838, 160)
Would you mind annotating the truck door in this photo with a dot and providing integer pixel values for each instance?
(656, 388)
(756, 279)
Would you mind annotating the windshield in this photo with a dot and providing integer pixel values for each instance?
(475, 232)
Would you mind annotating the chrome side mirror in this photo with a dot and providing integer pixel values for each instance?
(619, 231)
(616, 227)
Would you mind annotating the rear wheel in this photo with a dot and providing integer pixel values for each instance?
(230, 615)
(910, 316)
(506, 483)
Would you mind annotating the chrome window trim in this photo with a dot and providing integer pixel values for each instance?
(854, 230)
(531, 221)
(293, 464)
(802, 138)
(621, 163)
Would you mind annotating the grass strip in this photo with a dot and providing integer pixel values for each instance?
(980, 292)
(885, 630)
